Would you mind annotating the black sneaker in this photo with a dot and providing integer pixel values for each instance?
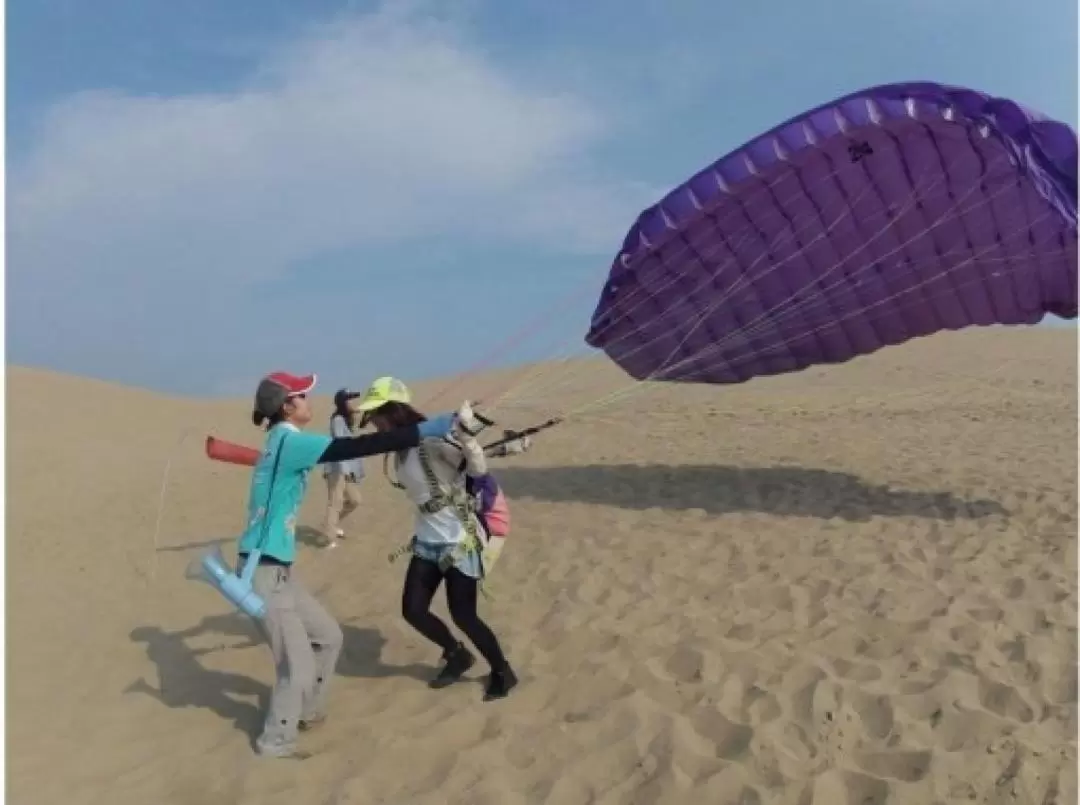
(458, 662)
(500, 683)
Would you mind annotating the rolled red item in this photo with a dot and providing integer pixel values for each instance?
(221, 450)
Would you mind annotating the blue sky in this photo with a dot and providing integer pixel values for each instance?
(201, 192)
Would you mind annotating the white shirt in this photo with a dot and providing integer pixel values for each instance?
(339, 429)
(444, 527)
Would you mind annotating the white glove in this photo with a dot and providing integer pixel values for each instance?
(514, 447)
(517, 446)
(466, 424)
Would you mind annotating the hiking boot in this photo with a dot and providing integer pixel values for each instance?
(283, 753)
(500, 683)
(458, 662)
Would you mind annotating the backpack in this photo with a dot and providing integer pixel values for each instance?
(489, 504)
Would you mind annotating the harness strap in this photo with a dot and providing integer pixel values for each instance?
(438, 501)
(248, 569)
(462, 505)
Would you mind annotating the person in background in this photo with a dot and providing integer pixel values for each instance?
(342, 477)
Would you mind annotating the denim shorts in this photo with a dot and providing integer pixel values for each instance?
(468, 562)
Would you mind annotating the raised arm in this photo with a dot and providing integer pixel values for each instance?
(464, 454)
(373, 444)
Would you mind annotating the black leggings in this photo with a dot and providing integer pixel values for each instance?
(421, 581)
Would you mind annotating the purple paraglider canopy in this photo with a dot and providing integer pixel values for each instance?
(891, 213)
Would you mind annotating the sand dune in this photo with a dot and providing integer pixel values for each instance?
(851, 585)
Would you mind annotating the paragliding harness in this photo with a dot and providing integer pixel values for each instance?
(479, 503)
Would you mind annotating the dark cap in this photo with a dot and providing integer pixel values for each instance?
(342, 396)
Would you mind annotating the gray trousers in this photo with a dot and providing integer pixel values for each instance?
(306, 642)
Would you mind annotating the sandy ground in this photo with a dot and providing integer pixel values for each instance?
(851, 585)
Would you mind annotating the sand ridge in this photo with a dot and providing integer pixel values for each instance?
(851, 585)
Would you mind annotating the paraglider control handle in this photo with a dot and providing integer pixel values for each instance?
(514, 435)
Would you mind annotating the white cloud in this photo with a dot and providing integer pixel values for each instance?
(376, 128)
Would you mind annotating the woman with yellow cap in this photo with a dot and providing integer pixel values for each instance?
(432, 475)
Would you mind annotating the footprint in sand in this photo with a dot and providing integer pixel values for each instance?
(964, 729)
(1015, 588)
(836, 787)
(729, 740)
(884, 647)
(802, 681)
(1013, 650)
(968, 636)
(796, 754)
(911, 687)
(905, 766)
(964, 662)
(809, 604)
(743, 633)
(770, 598)
(686, 664)
(875, 713)
(1004, 700)
(745, 702)
(762, 707)
(854, 671)
(987, 614)
(729, 786)
(1059, 682)
(678, 747)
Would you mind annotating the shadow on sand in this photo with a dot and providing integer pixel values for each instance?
(183, 681)
(361, 657)
(304, 534)
(191, 546)
(717, 489)
(313, 537)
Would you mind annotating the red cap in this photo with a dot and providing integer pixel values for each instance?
(274, 390)
(293, 384)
